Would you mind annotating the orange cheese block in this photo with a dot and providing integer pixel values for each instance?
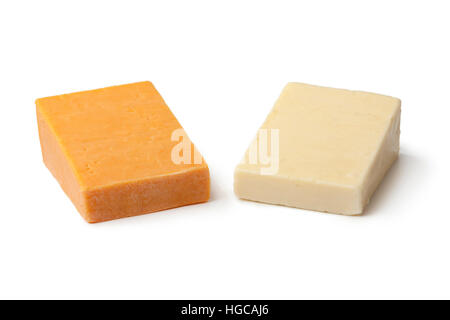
(120, 152)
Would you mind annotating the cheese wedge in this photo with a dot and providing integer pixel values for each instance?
(321, 149)
(120, 152)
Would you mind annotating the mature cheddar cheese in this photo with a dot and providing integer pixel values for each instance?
(116, 152)
(321, 149)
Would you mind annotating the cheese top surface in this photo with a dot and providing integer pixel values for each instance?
(115, 134)
(327, 135)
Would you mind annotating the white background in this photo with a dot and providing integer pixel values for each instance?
(220, 65)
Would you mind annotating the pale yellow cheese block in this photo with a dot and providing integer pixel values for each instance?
(333, 149)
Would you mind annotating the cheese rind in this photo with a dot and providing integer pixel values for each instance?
(110, 150)
(334, 145)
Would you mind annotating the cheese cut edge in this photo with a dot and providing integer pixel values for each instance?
(153, 194)
(58, 163)
(385, 157)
